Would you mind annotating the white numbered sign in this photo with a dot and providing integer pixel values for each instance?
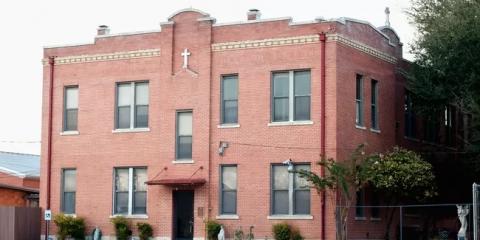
(48, 215)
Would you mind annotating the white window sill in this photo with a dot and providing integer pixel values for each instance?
(134, 216)
(183, 161)
(69, 133)
(375, 130)
(360, 218)
(373, 219)
(130, 130)
(70, 214)
(235, 125)
(227, 217)
(290, 217)
(360, 127)
(289, 123)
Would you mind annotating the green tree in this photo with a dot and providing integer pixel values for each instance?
(446, 69)
(343, 177)
(401, 176)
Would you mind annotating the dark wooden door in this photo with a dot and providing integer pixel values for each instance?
(183, 215)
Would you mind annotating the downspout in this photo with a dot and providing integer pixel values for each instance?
(209, 172)
(323, 124)
(51, 62)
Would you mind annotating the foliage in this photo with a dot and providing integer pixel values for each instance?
(296, 235)
(446, 69)
(122, 227)
(145, 230)
(281, 231)
(250, 235)
(343, 176)
(69, 226)
(238, 234)
(400, 174)
(213, 228)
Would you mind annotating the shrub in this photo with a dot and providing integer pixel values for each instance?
(295, 235)
(69, 226)
(282, 231)
(122, 227)
(213, 228)
(238, 234)
(145, 231)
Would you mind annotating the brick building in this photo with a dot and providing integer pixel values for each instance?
(198, 120)
(19, 179)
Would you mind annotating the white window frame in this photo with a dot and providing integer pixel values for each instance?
(65, 109)
(359, 101)
(291, 98)
(130, 192)
(374, 105)
(291, 192)
(132, 107)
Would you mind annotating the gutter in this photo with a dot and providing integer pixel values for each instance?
(323, 125)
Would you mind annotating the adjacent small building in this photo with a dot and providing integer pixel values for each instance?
(19, 179)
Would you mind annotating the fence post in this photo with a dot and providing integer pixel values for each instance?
(474, 209)
(401, 223)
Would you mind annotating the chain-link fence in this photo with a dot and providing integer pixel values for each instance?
(406, 222)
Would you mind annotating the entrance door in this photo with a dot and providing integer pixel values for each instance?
(183, 215)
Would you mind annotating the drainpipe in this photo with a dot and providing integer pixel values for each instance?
(51, 63)
(323, 125)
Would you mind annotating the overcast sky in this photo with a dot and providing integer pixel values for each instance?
(27, 26)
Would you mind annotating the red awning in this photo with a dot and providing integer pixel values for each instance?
(178, 182)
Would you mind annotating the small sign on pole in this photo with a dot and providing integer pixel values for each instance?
(48, 215)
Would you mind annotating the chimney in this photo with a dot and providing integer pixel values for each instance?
(253, 14)
(103, 30)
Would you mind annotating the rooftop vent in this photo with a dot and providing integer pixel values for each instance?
(253, 14)
(103, 30)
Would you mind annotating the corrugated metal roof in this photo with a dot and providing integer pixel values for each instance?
(20, 164)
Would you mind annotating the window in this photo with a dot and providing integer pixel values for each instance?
(375, 212)
(291, 96)
(290, 193)
(449, 125)
(69, 188)
(132, 105)
(229, 99)
(359, 100)
(360, 202)
(431, 128)
(410, 120)
(70, 112)
(374, 104)
(130, 191)
(228, 182)
(184, 135)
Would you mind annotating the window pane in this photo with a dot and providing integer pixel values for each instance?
(71, 97)
(121, 179)
(280, 177)
(229, 178)
(358, 91)
(374, 91)
(141, 94)
(280, 109)
(302, 108)
(141, 116)
(140, 203)
(230, 88)
(374, 116)
(71, 116)
(360, 201)
(302, 202)
(124, 94)
(123, 117)
(70, 183)
(358, 113)
(302, 83)
(229, 202)
(185, 123)
(184, 147)
(230, 109)
(280, 202)
(140, 177)
(280, 85)
(121, 202)
(69, 202)
(301, 183)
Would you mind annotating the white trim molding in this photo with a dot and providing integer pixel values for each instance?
(103, 57)
(270, 42)
(290, 217)
(227, 217)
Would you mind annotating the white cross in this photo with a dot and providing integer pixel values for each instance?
(185, 55)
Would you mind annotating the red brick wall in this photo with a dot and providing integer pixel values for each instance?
(254, 146)
(10, 197)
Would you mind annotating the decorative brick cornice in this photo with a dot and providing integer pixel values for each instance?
(146, 53)
(272, 42)
(361, 47)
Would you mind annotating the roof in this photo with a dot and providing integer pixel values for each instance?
(20, 164)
